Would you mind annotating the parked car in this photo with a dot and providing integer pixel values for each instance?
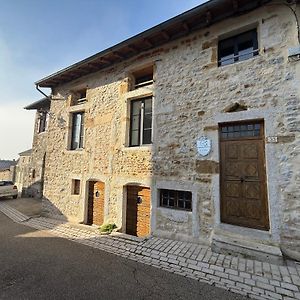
(8, 189)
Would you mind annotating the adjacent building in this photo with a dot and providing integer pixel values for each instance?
(31, 164)
(189, 130)
(7, 170)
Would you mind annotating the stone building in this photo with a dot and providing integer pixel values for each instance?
(23, 180)
(189, 130)
(7, 170)
(38, 155)
(33, 168)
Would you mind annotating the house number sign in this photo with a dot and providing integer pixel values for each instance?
(204, 146)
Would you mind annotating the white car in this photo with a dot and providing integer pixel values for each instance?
(8, 189)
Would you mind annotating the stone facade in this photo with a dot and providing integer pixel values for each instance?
(7, 170)
(5, 174)
(31, 165)
(191, 97)
(23, 172)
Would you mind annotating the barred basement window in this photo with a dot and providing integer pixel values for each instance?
(237, 48)
(176, 199)
(140, 122)
(75, 187)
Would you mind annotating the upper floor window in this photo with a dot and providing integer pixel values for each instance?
(141, 122)
(237, 48)
(143, 77)
(79, 97)
(77, 130)
(42, 125)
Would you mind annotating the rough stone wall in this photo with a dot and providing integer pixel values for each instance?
(23, 174)
(5, 175)
(105, 156)
(191, 96)
(38, 156)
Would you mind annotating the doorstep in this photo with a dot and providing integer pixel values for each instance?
(248, 249)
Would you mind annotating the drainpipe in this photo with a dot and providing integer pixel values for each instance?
(37, 87)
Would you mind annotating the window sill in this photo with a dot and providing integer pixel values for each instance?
(175, 209)
(142, 92)
(77, 107)
(80, 150)
(41, 133)
(241, 61)
(138, 148)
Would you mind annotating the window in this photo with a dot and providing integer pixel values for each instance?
(233, 131)
(143, 77)
(77, 130)
(79, 97)
(75, 187)
(238, 48)
(176, 199)
(43, 116)
(141, 122)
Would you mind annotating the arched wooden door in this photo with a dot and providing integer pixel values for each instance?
(96, 203)
(138, 211)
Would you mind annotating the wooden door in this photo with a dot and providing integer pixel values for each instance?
(96, 203)
(138, 211)
(243, 179)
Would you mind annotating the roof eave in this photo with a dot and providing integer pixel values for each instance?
(94, 63)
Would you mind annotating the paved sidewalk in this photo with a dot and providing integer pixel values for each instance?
(243, 276)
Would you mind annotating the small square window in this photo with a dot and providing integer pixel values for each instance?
(143, 77)
(75, 187)
(78, 97)
(238, 48)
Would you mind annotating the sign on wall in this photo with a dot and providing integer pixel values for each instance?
(204, 146)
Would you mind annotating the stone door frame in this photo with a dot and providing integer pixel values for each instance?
(272, 174)
(240, 179)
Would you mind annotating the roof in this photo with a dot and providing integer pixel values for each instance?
(6, 164)
(201, 16)
(42, 103)
(26, 153)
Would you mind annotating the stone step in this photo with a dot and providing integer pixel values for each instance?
(247, 249)
(127, 237)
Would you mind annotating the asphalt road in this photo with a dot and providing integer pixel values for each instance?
(36, 265)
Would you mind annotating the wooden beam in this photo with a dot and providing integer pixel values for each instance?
(133, 48)
(208, 17)
(235, 5)
(118, 55)
(148, 42)
(93, 66)
(165, 35)
(105, 60)
(185, 27)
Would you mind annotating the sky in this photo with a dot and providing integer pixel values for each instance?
(40, 37)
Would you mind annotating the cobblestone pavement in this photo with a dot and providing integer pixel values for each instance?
(258, 280)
